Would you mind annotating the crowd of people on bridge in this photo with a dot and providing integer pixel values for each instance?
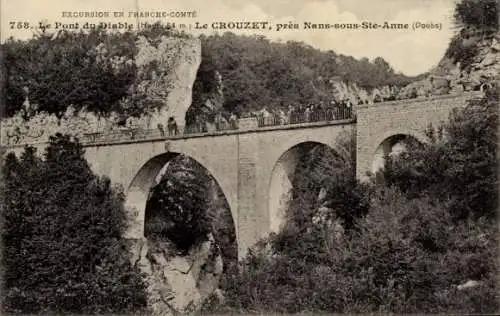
(35, 127)
(31, 126)
(221, 121)
(323, 111)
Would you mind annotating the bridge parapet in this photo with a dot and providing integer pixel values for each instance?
(248, 123)
(436, 98)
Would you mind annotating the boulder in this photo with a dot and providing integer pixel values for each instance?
(468, 285)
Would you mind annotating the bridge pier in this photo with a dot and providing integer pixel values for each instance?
(251, 218)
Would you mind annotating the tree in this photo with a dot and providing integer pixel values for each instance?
(428, 228)
(406, 254)
(480, 14)
(257, 72)
(473, 19)
(460, 169)
(97, 70)
(62, 237)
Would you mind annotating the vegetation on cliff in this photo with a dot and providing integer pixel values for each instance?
(186, 206)
(423, 235)
(460, 167)
(406, 242)
(257, 72)
(95, 70)
(475, 21)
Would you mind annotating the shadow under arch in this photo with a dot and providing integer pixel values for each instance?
(137, 194)
(281, 180)
(394, 145)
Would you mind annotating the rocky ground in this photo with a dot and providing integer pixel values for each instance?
(177, 285)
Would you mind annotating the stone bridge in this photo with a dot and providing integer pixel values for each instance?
(252, 165)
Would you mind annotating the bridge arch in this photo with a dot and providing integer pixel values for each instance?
(394, 142)
(139, 189)
(281, 181)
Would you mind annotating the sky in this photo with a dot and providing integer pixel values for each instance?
(409, 51)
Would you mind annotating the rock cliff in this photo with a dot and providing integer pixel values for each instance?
(166, 73)
(471, 63)
(177, 285)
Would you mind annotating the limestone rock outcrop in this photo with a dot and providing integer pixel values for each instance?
(450, 76)
(171, 80)
(177, 285)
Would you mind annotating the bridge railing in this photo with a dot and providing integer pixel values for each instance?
(333, 114)
(133, 133)
(207, 128)
(138, 133)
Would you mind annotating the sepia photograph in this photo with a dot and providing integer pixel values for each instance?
(230, 157)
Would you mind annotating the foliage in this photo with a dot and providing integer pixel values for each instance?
(223, 227)
(187, 206)
(67, 70)
(177, 207)
(257, 72)
(93, 70)
(462, 169)
(430, 227)
(461, 52)
(400, 260)
(473, 19)
(97, 70)
(480, 14)
(321, 171)
(63, 246)
(416, 255)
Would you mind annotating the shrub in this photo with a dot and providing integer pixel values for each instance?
(328, 173)
(461, 53)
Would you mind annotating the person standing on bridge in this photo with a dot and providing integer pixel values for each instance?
(202, 126)
(267, 116)
(283, 117)
(172, 126)
(290, 113)
(233, 121)
(330, 115)
(161, 129)
(307, 114)
(348, 113)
